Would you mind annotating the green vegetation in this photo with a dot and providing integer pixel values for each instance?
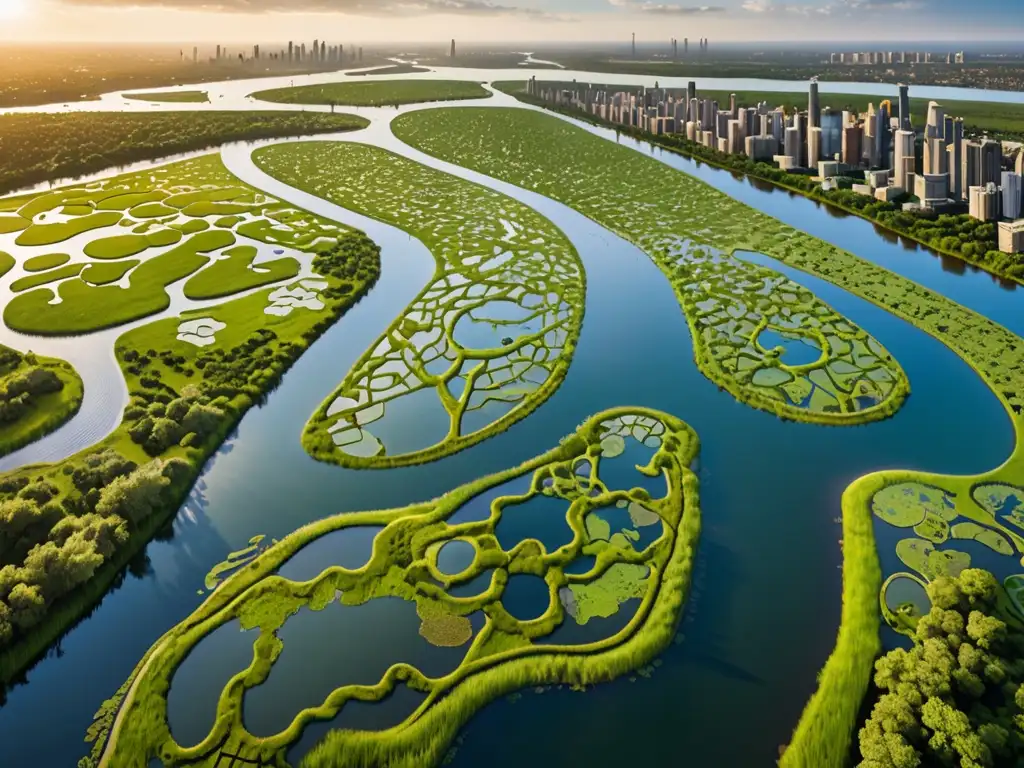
(47, 261)
(740, 314)
(482, 336)
(37, 395)
(956, 697)
(822, 738)
(376, 94)
(68, 528)
(506, 654)
(170, 96)
(43, 147)
(236, 273)
(189, 189)
(958, 235)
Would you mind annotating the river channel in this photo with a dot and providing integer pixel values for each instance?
(765, 606)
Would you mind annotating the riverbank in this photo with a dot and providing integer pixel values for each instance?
(995, 262)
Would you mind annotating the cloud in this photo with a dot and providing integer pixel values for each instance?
(387, 8)
(831, 7)
(665, 9)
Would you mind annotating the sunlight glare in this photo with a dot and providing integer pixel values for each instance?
(12, 9)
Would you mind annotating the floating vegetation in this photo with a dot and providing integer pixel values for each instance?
(235, 560)
(488, 339)
(745, 319)
(506, 653)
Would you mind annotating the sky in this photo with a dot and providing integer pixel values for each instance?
(369, 21)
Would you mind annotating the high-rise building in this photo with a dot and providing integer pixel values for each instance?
(1011, 189)
(853, 136)
(291, 51)
(984, 202)
(195, 54)
(792, 144)
(323, 52)
(1011, 236)
(883, 133)
(813, 106)
(905, 121)
(991, 161)
(218, 53)
(831, 133)
(691, 91)
(813, 146)
(316, 50)
(256, 52)
(634, 45)
(903, 158)
(955, 162)
(452, 54)
(1018, 167)
(732, 105)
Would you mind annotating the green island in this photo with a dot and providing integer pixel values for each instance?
(376, 94)
(745, 319)
(823, 735)
(44, 147)
(488, 339)
(959, 235)
(607, 525)
(70, 527)
(159, 219)
(189, 97)
(37, 395)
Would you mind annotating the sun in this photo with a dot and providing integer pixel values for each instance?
(12, 9)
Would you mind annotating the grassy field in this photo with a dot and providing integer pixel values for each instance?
(124, 238)
(43, 412)
(505, 655)
(734, 308)
(38, 147)
(189, 97)
(376, 94)
(823, 737)
(236, 273)
(508, 348)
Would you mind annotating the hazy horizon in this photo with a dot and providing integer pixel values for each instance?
(414, 22)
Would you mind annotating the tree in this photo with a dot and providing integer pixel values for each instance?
(956, 697)
(135, 496)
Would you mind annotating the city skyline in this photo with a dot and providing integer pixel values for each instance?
(506, 21)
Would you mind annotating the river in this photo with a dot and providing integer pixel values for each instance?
(765, 607)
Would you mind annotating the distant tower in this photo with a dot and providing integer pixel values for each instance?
(634, 45)
(686, 45)
(291, 51)
(814, 106)
(675, 49)
(218, 53)
(323, 52)
(316, 50)
(195, 54)
(453, 48)
(256, 52)
(905, 123)
(360, 53)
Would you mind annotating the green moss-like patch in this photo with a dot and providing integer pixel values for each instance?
(481, 342)
(177, 97)
(42, 278)
(506, 654)
(236, 273)
(110, 272)
(693, 233)
(376, 94)
(46, 261)
(49, 234)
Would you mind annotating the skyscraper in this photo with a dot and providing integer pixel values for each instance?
(256, 52)
(195, 54)
(691, 92)
(991, 161)
(453, 48)
(1011, 187)
(634, 45)
(955, 161)
(291, 51)
(905, 122)
(852, 139)
(813, 146)
(323, 52)
(732, 105)
(686, 45)
(813, 106)
(903, 158)
(831, 133)
(883, 134)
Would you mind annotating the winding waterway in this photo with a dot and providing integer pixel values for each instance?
(765, 606)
